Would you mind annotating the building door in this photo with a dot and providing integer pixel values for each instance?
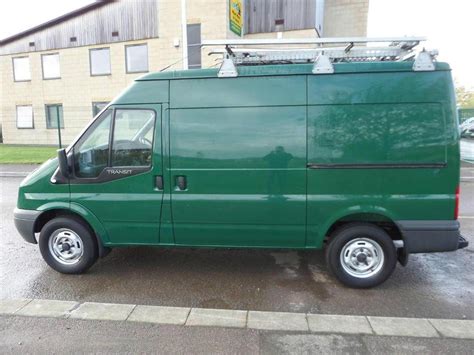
(117, 173)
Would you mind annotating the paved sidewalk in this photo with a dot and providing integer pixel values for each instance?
(36, 335)
(273, 321)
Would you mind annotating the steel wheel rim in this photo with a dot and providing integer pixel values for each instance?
(66, 246)
(362, 258)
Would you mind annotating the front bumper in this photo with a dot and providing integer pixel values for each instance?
(25, 223)
(431, 236)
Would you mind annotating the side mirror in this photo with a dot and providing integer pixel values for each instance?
(63, 165)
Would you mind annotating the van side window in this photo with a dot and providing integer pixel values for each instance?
(91, 153)
(133, 137)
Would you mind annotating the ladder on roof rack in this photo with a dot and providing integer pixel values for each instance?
(326, 52)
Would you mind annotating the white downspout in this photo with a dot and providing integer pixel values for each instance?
(184, 29)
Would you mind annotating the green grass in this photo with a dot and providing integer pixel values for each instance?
(25, 154)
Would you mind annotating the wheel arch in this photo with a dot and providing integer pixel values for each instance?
(380, 219)
(76, 211)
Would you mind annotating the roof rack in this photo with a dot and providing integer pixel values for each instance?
(326, 51)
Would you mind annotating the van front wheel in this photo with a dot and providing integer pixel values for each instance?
(361, 255)
(67, 245)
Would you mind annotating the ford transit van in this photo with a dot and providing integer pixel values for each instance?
(363, 162)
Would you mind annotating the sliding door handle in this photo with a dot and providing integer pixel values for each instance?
(181, 182)
(159, 182)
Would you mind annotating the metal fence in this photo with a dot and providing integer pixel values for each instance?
(465, 113)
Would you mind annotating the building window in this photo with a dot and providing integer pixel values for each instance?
(52, 113)
(21, 69)
(50, 64)
(261, 16)
(24, 116)
(97, 107)
(136, 58)
(100, 61)
(194, 46)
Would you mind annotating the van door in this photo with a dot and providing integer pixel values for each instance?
(238, 161)
(117, 172)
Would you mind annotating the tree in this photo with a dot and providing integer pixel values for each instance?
(464, 97)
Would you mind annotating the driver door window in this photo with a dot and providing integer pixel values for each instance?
(132, 142)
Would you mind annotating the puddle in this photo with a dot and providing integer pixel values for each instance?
(214, 303)
(287, 258)
(319, 275)
(304, 281)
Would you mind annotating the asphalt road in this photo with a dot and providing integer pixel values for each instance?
(432, 285)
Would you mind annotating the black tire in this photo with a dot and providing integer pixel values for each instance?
(84, 249)
(366, 234)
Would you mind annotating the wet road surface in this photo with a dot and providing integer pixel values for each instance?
(432, 285)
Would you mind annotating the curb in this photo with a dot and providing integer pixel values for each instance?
(246, 319)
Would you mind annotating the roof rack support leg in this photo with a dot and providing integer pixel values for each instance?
(227, 69)
(424, 62)
(323, 65)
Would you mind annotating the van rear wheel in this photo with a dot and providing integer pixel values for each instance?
(361, 255)
(67, 245)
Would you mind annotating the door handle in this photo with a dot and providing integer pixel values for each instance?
(159, 182)
(181, 182)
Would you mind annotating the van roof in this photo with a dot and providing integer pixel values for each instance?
(289, 69)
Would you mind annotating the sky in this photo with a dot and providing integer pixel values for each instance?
(447, 24)
(19, 15)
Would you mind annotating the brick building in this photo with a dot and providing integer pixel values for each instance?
(71, 66)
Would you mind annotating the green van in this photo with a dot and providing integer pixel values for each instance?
(363, 162)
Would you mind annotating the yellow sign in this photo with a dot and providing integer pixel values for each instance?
(235, 16)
